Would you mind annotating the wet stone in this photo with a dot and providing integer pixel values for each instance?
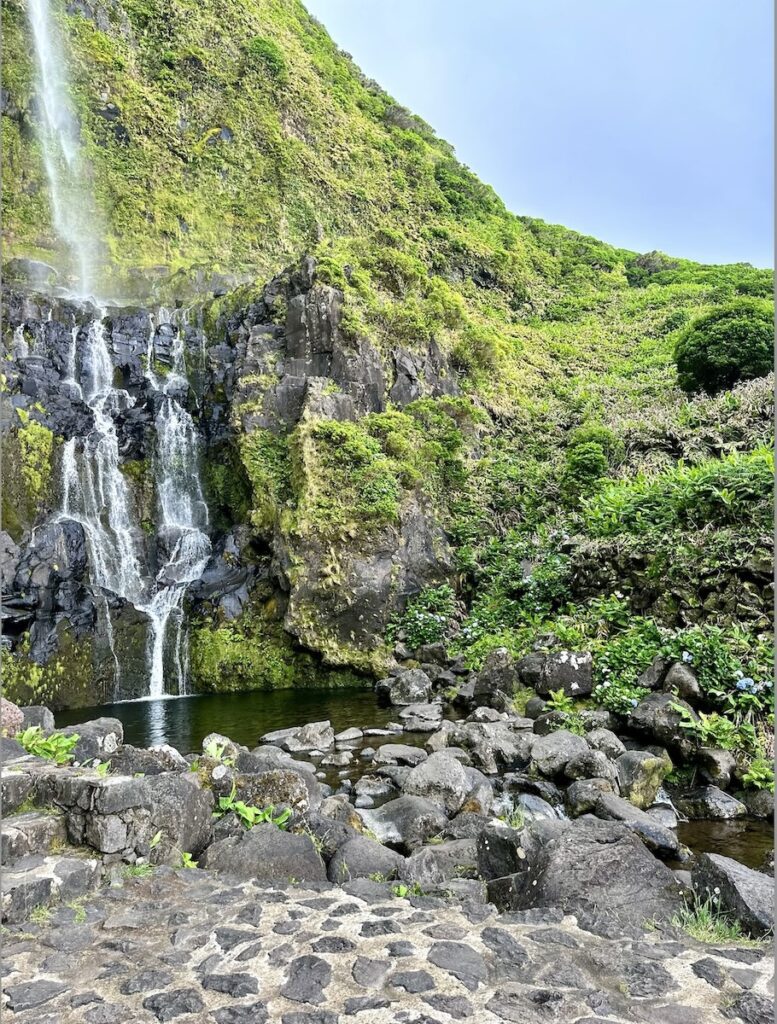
(308, 977)
(413, 981)
(229, 938)
(107, 1013)
(333, 944)
(255, 1013)
(711, 971)
(145, 982)
(235, 985)
(648, 979)
(401, 948)
(30, 994)
(461, 961)
(358, 1003)
(457, 1007)
(369, 973)
(507, 951)
(372, 928)
(167, 1005)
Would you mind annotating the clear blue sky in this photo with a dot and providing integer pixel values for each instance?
(647, 123)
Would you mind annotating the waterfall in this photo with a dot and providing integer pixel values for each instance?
(95, 492)
(71, 206)
(183, 514)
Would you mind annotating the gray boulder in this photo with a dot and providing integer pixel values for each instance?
(37, 714)
(598, 870)
(313, 736)
(408, 821)
(607, 742)
(746, 894)
(709, 802)
(682, 679)
(361, 857)
(653, 675)
(716, 766)
(640, 775)
(569, 671)
(581, 797)
(267, 854)
(441, 779)
(421, 717)
(590, 764)
(97, 739)
(552, 753)
(656, 718)
(399, 753)
(499, 674)
(662, 841)
(432, 865)
(412, 686)
(182, 810)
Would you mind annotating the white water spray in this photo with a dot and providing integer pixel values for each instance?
(71, 206)
(183, 516)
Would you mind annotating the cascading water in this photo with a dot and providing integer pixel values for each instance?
(71, 207)
(95, 492)
(183, 515)
(96, 495)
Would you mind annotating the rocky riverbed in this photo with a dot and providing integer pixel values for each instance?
(490, 866)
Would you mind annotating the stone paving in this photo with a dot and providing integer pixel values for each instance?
(198, 948)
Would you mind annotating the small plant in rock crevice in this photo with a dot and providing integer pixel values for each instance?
(703, 919)
(56, 747)
(250, 815)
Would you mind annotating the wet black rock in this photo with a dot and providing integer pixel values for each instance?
(746, 894)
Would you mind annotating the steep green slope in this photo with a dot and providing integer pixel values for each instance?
(589, 500)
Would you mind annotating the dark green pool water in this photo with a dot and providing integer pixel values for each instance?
(183, 722)
(747, 840)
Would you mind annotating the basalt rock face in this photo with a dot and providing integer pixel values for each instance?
(278, 360)
(285, 361)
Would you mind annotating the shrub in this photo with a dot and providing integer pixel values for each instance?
(725, 346)
(264, 53)
(586, 464)
(427, 618)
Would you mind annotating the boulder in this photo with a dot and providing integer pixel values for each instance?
(746, 894)
(591, 764)
(278, 787)
(657, 718)
(372, 789)
(432, 865)
(97, 740)
(267, 854)
(362, 857)
(581, 797)
(682, 679)
(412, 686)
(759, 802)
(421, 717)
(550, 754)
(313, 736)
(480, 794)
(535, 707)
(499, 674)
(569, 671)
(37, 714)
(653, 675)
(640, 775)
(407, 822)
(499, 851)
(534, 807)
(709, 802)
(662, 841)
(435, 654)
(598, 870)
(129, 760)
(716, 766)
(440, 779)
(11, 718)
(399, 753)
(607, 742)
(183, 811)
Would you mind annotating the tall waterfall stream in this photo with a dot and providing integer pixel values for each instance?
(95, 491)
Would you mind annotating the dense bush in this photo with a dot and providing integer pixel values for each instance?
(725, 346)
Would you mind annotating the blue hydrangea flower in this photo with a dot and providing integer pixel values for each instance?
(687, 657)
(634, 702)
(745, 684)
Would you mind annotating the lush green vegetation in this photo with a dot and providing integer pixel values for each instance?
(596, 495)
(726, 345)
(55, 747)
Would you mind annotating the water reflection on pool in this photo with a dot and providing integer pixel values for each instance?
(183, 722)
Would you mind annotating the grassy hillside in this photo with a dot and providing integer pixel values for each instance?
(593, 502)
